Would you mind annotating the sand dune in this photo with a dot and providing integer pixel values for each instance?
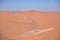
(15, 23)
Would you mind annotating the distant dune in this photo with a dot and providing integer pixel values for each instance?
(14, 23)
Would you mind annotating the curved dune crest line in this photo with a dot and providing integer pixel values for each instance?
(35, 32)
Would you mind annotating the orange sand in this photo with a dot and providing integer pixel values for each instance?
(11, 27)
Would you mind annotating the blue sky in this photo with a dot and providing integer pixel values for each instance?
(41, 5)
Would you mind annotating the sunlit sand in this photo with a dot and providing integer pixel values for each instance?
(29, 25)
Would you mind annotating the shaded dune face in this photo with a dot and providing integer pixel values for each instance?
(14, 24)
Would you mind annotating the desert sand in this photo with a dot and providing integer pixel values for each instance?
(14, 23)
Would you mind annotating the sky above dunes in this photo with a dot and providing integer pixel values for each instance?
(41, 5)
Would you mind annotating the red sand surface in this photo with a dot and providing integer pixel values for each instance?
(11, 26)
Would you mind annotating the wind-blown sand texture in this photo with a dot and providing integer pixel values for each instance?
(14, 23)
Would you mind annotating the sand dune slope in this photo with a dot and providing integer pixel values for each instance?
(13, 24)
